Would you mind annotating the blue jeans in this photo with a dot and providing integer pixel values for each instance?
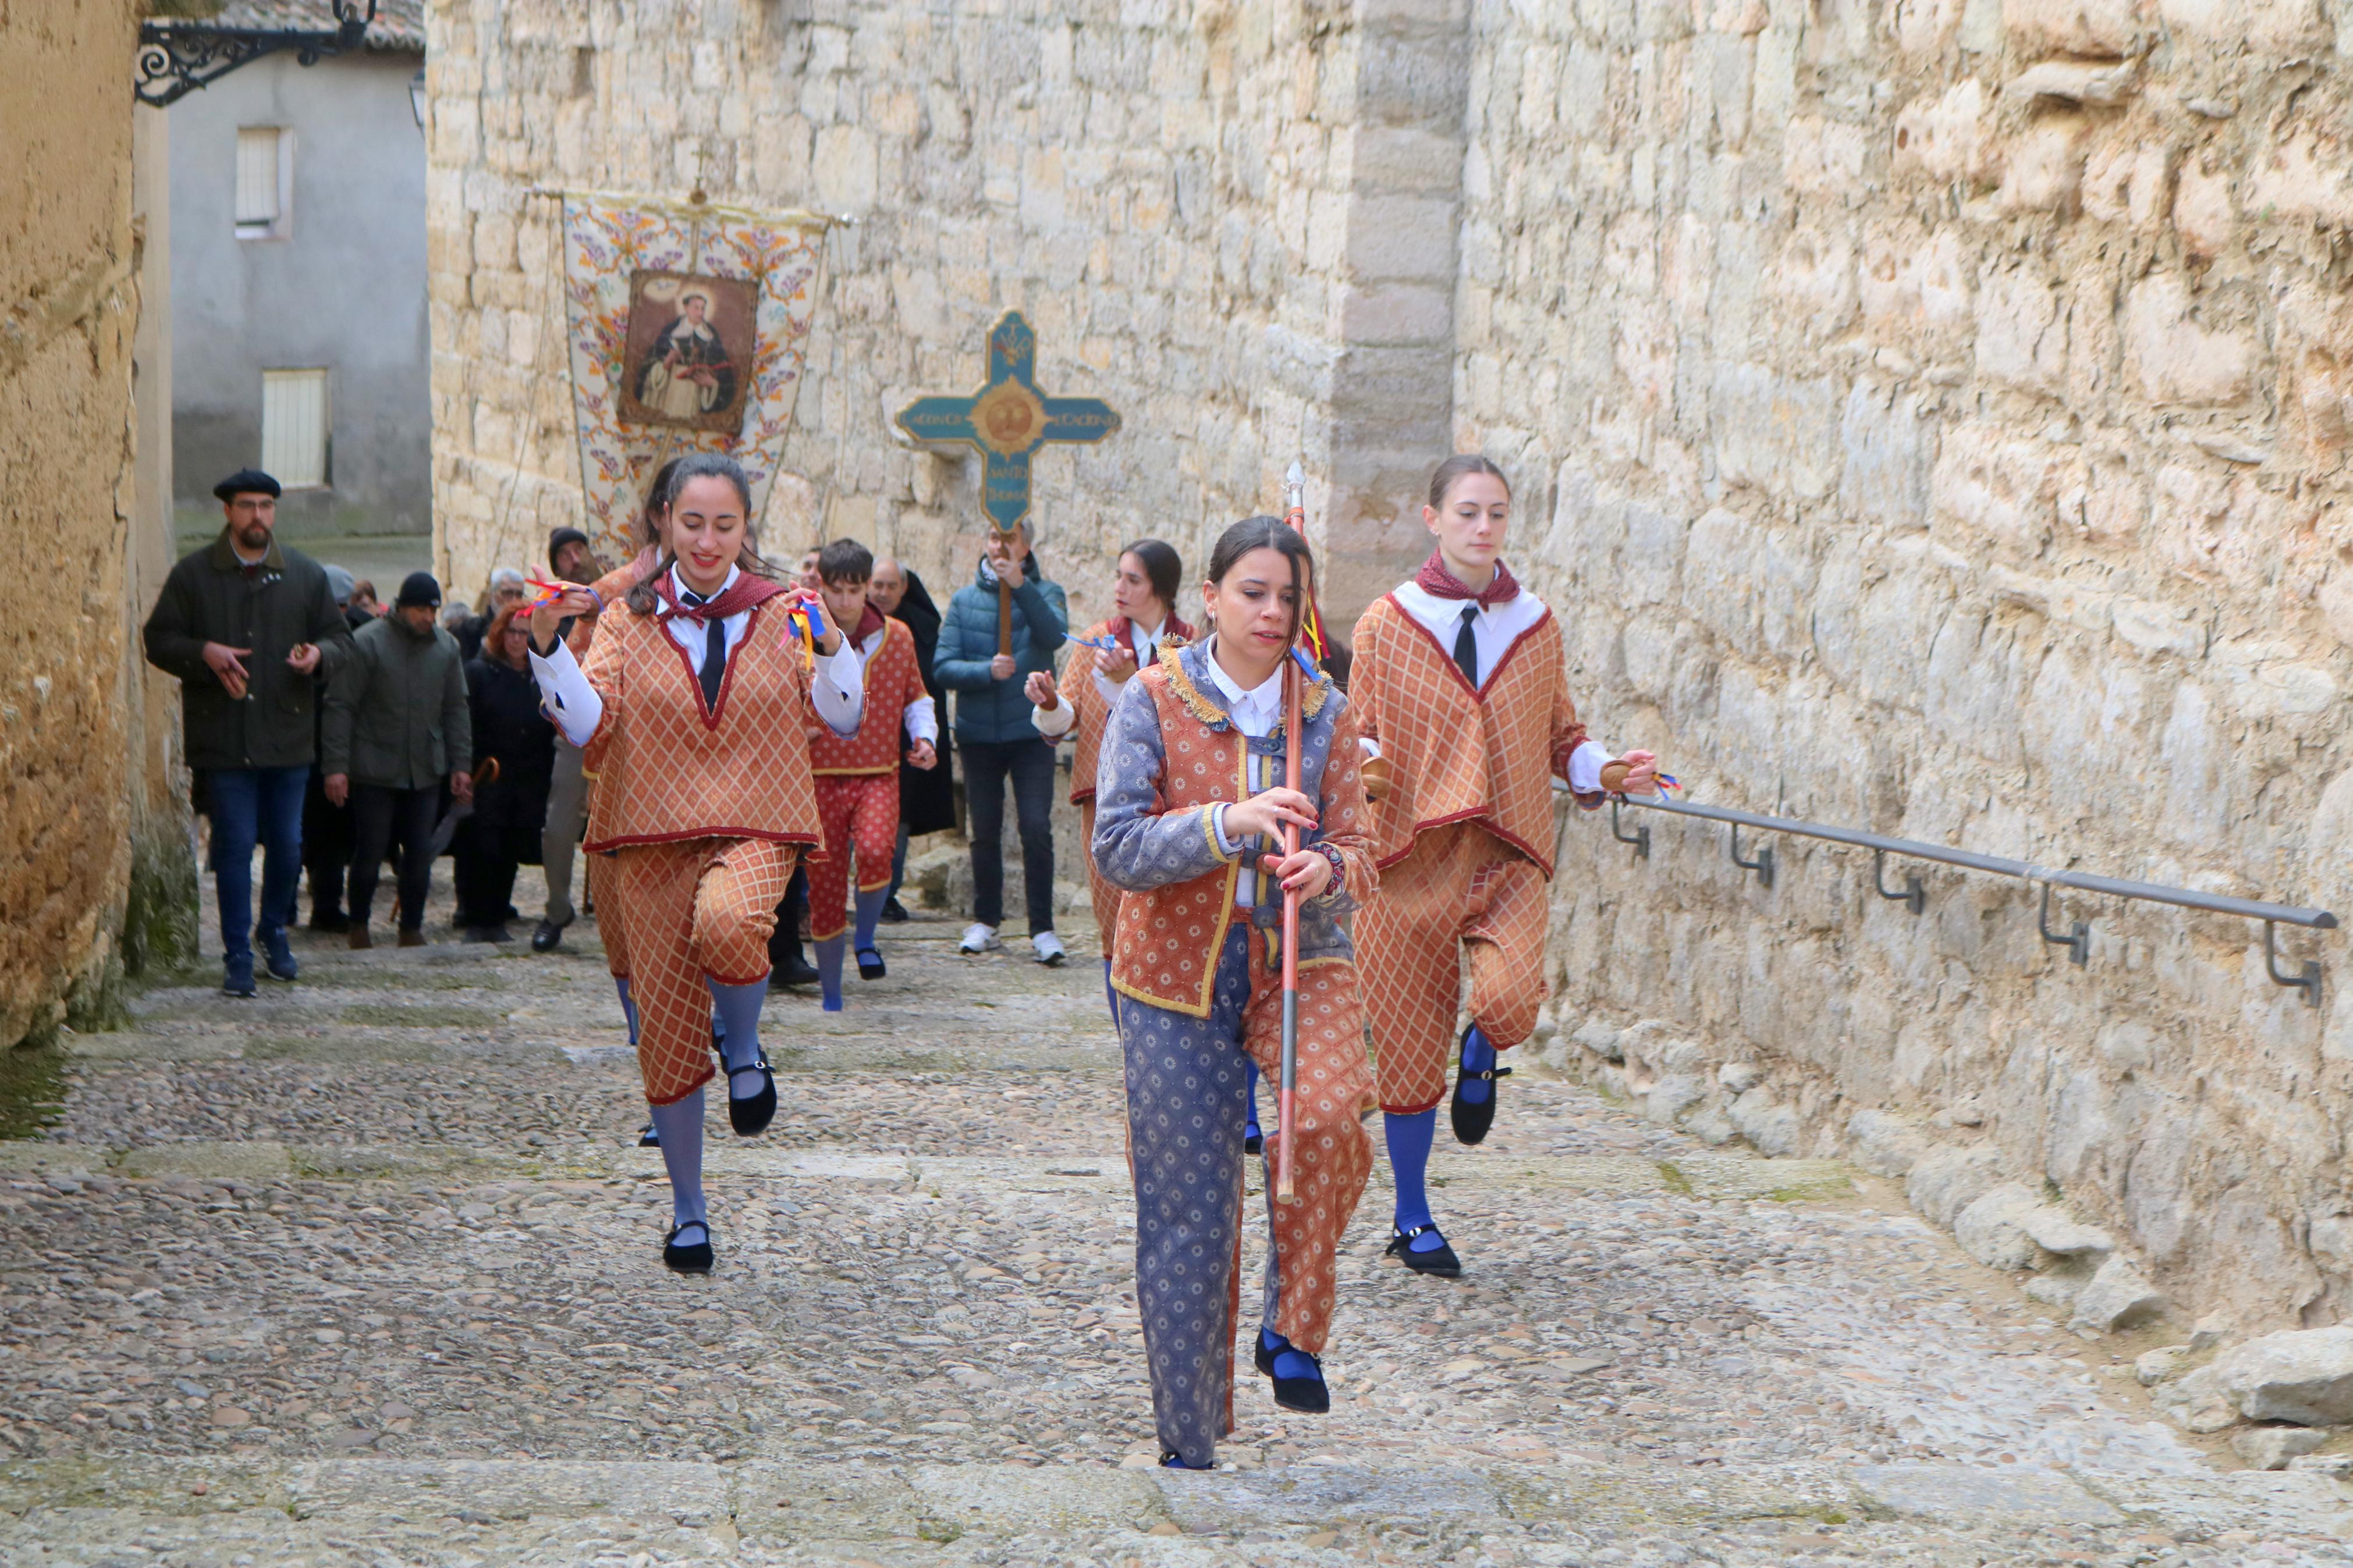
(250, 806)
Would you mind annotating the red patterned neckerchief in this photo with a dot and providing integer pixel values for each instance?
(868, 625)
(1171, 628)
(1435, 580)
(747, 591)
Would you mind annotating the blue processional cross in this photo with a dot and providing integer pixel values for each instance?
(1008, 420)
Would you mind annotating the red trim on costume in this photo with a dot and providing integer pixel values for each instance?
(606, 846)
(708, 1074)
(726, 677)
(747, 980)
(1479, 692)
(1479, 816)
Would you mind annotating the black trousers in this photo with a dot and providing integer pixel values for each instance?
(785, 942)
(485, 872)
(1031, 764)
(379, 814)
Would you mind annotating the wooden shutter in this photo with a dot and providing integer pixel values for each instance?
(294, 427)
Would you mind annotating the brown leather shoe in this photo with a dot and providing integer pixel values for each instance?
(358, 938)
(412, 939)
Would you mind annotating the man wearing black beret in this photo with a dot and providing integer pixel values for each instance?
(251, 630)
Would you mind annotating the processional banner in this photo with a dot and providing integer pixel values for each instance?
(688, 323)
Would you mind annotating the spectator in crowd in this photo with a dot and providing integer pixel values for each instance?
(326, 826)
(248, 626)
(994, 733)
(569, 557)
(926, 795)
(397, 725)
(514, 757)
(365, 606)
(507, 591)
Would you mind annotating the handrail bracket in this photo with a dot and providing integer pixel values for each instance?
(1762, 865)
(1639, 838)
(1914, 893)
(2078, 939)
(2308, 982)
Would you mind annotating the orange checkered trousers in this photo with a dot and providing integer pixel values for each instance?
(1460, 897)
(695, 908)
(604, 897)
(1103, 894)
(859, 811)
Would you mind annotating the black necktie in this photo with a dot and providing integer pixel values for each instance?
(715, 653)
(1466, 646)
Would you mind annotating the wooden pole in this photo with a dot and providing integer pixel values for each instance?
(1286, 1093)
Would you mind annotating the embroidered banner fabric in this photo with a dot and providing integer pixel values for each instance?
(610, 244)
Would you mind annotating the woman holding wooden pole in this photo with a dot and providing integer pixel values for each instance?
(1190, 803)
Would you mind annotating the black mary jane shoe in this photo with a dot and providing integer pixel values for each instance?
(1306, 1395)
(1438, 1260)
(751, 1115)
(873, 971)
(1253, 1143)
(1472, 1118)
(649, 1137)
(1172, 1460)
(687, 1257)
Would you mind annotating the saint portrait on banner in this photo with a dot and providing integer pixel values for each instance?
(689, 351)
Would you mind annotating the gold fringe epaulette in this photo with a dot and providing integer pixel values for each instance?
(1209, 713)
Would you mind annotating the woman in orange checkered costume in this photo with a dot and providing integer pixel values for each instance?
(693, 712)
(1189, 808)
(858, 776)
(1460, 682)
(1143, 589)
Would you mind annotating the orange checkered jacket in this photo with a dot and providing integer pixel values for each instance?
(893, 681)
(1090, 712)
(1455, 754)
(667, 770)
(1170, 753)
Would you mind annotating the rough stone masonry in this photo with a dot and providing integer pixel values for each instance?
(1927, 417)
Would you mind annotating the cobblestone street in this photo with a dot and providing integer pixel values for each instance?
(364, 1272)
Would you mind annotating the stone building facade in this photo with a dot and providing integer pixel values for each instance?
(1926, 416)
(96, 868)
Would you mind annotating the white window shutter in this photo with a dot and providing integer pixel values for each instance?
(294, 427)
(257, 176)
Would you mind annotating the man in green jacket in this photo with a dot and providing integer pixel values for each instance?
(250, 628)
(397, 724)
(995, 738)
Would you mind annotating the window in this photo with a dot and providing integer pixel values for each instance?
(294, 427)
(265, 181)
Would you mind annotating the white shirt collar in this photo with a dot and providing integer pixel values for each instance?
(678, 583)
(1265, 697)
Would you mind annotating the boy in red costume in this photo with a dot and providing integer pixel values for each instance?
(858, 776)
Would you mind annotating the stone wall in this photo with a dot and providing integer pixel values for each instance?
(72, 760)
(1931, 418)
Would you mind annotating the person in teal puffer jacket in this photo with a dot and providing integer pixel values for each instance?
(994, 737)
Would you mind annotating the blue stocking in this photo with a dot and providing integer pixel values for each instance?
(1410, 1139)
(1478, 1056)
(1110, 996)
(869, 915)
(829, 973)
(1289, 1361)
(739, 1015)
(1249, 1082)
(680, 1123)
(628, 1006)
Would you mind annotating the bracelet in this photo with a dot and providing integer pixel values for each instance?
(1339, 870)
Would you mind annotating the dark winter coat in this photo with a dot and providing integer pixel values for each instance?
(396, 713)
(284, 601)
(987, 709)
(511, 808)
(926, 796)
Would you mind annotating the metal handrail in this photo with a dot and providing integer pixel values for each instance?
(2076, 940)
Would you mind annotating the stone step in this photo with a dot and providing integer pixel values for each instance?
(1709, 1178)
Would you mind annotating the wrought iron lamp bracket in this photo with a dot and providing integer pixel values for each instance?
(1914, 893)
(1639, 838)
(2307, 980)
(176, 57)
(2078, 939)
(1762, 865)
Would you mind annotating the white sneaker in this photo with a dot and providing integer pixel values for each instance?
(1050, 948)
(978, 938)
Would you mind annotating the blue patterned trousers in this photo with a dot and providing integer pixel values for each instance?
(1186, 1106)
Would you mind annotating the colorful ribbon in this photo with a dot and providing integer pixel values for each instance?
(1107, 643)
(806, 619)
